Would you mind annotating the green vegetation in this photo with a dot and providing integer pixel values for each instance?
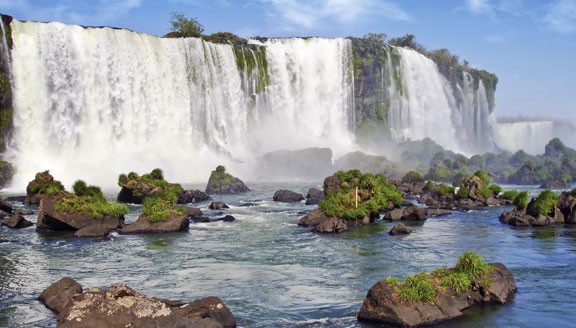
(423, 287)
(219, 178)
(545, 202)
(251, 60)
(44, 183)
(445, 189)
(429, 185)
(463, 193)
(183, 27)
(510, 194)
(496, 189)
(483, 175)
(413, 177)
(374, 195)
(484, 191)
(521, 200)
(573, 192)
(156, 209)
(95, 206)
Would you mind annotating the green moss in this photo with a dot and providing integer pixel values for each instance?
(374, 195)
(463, 193)
(484, 191)
(483, 175)
(445, 189)
(496, 189)
(546, 202)
(44, 184)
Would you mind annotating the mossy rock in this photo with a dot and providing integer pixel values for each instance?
(221, 182)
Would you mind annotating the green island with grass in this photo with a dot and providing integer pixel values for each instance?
(89, 200)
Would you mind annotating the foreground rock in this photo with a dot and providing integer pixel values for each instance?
(383, 306)
(221, 182)
(287, 196)
(174, 223)
(400, 229)
(49, 219)
(121, 306)
(17, 221)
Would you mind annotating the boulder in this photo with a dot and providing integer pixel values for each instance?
(383, 307)
(332, 185)
(221, 182)
(120, 306)
(314, 196)
(17, 221)
(433, 212)
(313, 218)
(287, 196)
(128, 196)
(218, 206)
(174, 223)
(413, 213)
(192, 196)
(95, 230)
(209, 307)
(394, 214)
(400, 229)
(331, 225)
(49, 219)
(6, 206)
(191, 211)
(58, 296)
(42, 184)
(226, 218)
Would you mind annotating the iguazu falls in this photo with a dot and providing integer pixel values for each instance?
(206, 179)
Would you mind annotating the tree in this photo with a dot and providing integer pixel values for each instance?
(183, 27)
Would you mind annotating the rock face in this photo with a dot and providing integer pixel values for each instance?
(314, 196)
(121, 306)
(17, 221)
(174, 223)
(287, 196)
(221, 182)
(49, 219)
(383, 307)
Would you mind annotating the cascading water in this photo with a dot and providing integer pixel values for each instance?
(533, 136)
(91, 103)
(423, 105)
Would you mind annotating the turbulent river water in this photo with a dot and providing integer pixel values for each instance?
(272, 273)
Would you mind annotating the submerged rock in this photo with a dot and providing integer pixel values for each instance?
(217, 206)
(400, 229)
(121, 306)
(287, 196)
(382, 305)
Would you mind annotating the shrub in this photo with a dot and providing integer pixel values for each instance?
(96, 207)
(156, 209)
(545, 202)
(157, 174)
(521, 200)
(483, 175)
(473, 265)
(510, 194)
(81, 189)
(417, 288)
(463, 193)
(445, 189)
(496, 189)
(184, 27)
(429, 185)
(484, 192)
(412, 177)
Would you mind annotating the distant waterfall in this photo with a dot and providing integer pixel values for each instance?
(533, 136)
(424, 104)
(91, 103)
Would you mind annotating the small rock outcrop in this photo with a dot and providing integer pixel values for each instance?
(400, 229)
(221, 182)
(314, 196)
(217, 206)
(545, 209)
(287, 196)
(136, 188)
(121, 306)
(142, 225)
(43, 184)
(192, 196)
(410, 213)
(383, 306)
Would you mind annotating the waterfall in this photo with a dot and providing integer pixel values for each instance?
(533, 136)
(424, 104)
(91, 103)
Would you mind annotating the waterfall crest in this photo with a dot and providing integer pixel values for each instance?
(91, 103)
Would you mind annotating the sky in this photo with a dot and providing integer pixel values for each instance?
(529, 44)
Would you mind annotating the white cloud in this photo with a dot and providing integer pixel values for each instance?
(314, 13)
(561, 16)
(479, 6)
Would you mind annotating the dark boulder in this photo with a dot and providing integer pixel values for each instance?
(174, 223)
(49, 219)
(314, 196)
(332, 185)
(394, 214)
(287, 196)
(400, 229)
(312, 219)
(383, 307)
(43, 184)
(210, 307)
(17, 221)
(6, 206)
(410, 213)
(199, 219)
(192, 196)
(120, 306)
(331, 225)
(190, 211)
(218, 206)
(128, 196)
(58, 296)
(226, 218)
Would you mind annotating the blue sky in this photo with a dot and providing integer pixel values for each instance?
(529, 44)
